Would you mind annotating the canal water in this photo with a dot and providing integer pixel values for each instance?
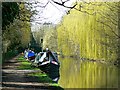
(86, 74)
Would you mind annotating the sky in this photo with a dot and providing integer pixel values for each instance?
(52, 13)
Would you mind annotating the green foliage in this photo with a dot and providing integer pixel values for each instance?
(34, 45)
(50, 39)
(90, 36)
(9, 55)
(24, 13)
(49, 35)
(9, 12)
(17, 34)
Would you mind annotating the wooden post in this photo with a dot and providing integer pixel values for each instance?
(42, 44)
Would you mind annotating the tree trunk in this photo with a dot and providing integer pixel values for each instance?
(119, 34)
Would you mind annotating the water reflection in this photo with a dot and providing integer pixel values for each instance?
(84, 74)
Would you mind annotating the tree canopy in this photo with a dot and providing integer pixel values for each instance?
(10, 10)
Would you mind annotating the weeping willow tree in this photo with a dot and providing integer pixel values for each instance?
(90, 32)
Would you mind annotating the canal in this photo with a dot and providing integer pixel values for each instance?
(87, 74)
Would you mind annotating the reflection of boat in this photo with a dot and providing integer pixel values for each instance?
(48, 62)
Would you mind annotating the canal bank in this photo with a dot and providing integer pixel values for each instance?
(17, 73)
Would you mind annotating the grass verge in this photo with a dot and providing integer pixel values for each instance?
(25, 64)
(42, 77)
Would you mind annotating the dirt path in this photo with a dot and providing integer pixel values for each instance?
(14, 79)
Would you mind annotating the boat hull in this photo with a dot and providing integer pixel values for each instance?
(52, 70)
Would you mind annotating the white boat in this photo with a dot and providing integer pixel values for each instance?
(48, 63)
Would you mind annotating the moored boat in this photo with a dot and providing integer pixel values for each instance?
(48, 63)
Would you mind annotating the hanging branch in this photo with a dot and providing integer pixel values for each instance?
(109, 27)
(63, 4)
(73, 7)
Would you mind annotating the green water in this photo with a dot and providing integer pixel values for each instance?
(86, 74)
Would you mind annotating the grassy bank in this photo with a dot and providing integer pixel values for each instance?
(8, 55)
(25, 64)
(42, 77)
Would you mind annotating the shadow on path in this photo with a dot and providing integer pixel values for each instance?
(14, 79)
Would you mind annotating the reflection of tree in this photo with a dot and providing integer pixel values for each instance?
(87, 74)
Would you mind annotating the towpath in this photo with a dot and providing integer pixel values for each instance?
(16, 79)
